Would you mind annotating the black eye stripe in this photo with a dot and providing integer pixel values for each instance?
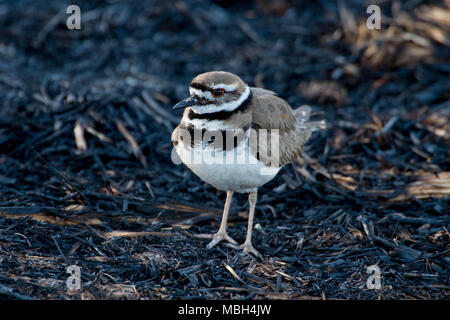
(199, 86)
(221, 115)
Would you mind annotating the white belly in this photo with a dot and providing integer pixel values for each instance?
(236, 170)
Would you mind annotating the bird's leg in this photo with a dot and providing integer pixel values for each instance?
(222, 233)
(247, 246)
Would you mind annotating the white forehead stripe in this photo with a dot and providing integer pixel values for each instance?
(229, 106)
(226, 87)
(207, 94)
(201, 94)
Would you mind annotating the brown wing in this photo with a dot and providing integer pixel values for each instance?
(274, 114)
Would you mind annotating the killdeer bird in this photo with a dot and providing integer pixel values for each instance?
(237, 138)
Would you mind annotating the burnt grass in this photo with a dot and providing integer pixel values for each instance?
(86, 176)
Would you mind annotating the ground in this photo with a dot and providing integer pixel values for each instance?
(86, 176)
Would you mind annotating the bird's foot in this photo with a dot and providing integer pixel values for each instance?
(216, 238)
(248, 248)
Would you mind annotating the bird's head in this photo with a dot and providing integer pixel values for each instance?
(215, 91)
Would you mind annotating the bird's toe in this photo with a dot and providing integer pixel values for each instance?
(216, 238)
(249, 249)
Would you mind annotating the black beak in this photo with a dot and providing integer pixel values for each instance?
(189, 101)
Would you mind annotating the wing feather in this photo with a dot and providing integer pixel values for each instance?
(274, 114)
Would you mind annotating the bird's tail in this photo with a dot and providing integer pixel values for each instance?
(302, 115)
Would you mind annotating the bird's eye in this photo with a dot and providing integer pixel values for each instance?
(216, 93)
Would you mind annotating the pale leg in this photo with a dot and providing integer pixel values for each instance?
(222, 233)
(247, 246)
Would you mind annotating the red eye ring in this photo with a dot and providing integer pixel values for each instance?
(216, 93)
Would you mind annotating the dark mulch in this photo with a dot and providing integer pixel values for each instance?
(86, 176)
